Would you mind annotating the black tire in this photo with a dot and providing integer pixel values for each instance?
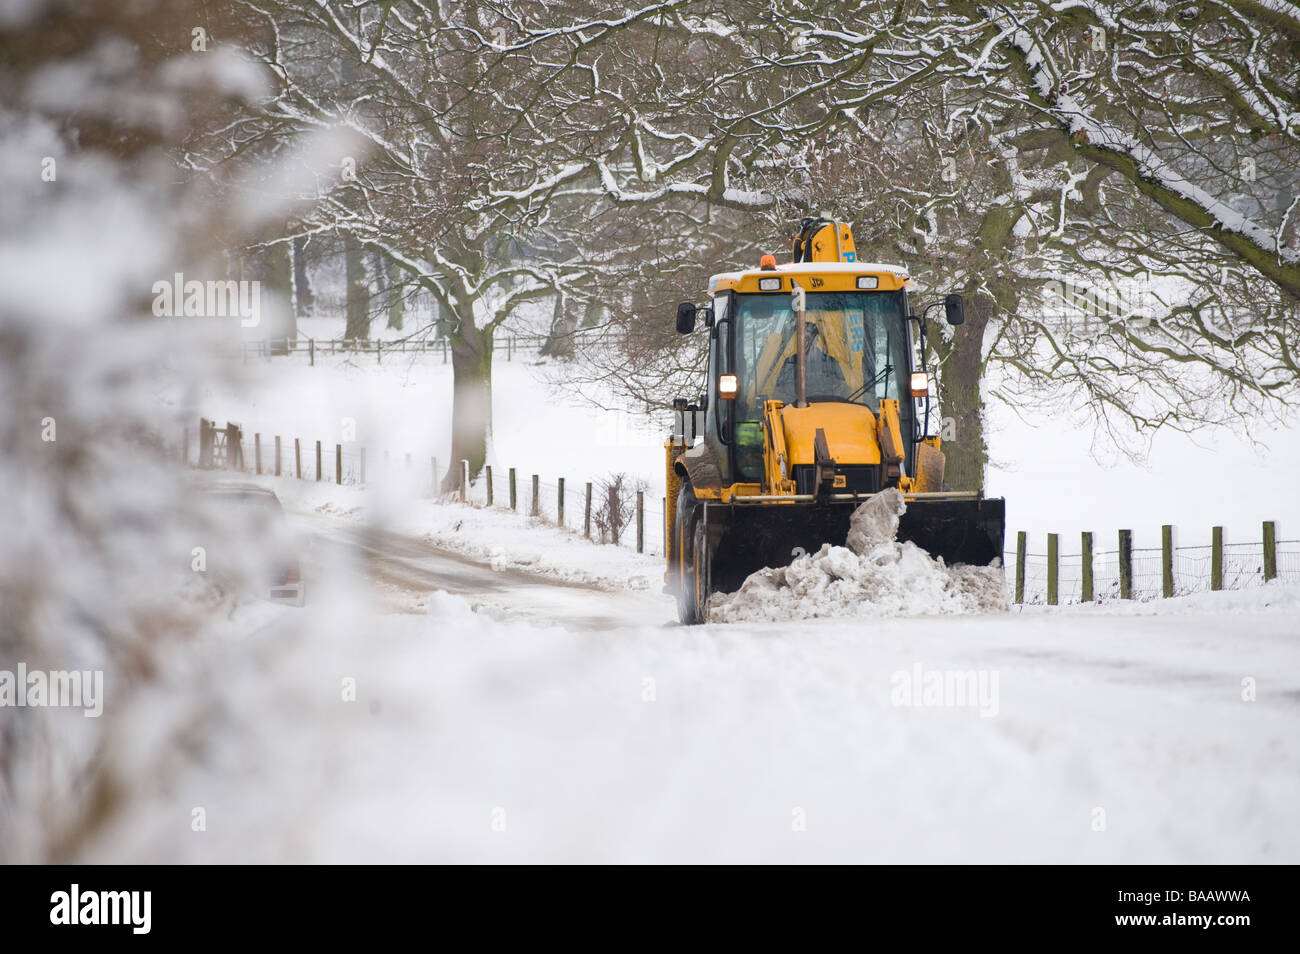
(703, 573)
(692, 584)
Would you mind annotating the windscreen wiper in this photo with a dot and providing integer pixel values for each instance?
(867, 385)
(888, 370)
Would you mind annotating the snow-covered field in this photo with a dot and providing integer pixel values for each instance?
(404, 407)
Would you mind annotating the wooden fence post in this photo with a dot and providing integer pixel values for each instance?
(433, 464)
(318, 467)
(488, 468)
(297, 457)
(257, 452)
(1053, 568)
(311, 351)
(1216, 558)
(464, 480)
(338, 463)
(362, 475)
(614, 510)
(537, 497)
(1167, 561)
(277, 455)
(1020, 566)
(1126, 564)
(586, 517)
(514, 497)
(559, 503)
(1085, 540)
(235, 447)
(1270, 551)
(640, 521)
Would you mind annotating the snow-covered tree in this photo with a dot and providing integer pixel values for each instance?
(1015, 154)
(1019, 154)
(423, 171)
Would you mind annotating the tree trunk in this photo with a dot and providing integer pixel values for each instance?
(304, 300)
(396, 298)
(471, 403)
(961, 399)
(354, 257)
(278, 322)
(379, 286)
(559, 340)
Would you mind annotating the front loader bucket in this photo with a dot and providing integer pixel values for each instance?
(958, 531)
(746, 537)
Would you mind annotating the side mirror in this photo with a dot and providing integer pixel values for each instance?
(954, 310)
(685, 318)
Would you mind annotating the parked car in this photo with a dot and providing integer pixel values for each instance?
(253, 516)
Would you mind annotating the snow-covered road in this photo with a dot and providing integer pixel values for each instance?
(404, 569)
(444, 710)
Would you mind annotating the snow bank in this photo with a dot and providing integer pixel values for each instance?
(1276, 597)
(874, 575)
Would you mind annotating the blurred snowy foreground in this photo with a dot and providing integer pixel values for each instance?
(464, 687)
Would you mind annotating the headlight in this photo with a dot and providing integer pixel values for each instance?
(728, 385)
(769, 284)
(868, 281)
(920, 384)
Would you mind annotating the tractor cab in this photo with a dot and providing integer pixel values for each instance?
(854, 341)
(817, 396)
(839, 329)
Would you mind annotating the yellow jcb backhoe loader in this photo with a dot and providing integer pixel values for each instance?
(814, 400)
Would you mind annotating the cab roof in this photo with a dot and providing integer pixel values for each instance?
(814, 276)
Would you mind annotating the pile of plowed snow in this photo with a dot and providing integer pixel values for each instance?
(874, 575)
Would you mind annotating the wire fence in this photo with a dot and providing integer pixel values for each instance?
(1190, 570)
(581, 506)
(416, 346)
(630, 517)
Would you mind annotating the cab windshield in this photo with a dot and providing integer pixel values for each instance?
(856, 345)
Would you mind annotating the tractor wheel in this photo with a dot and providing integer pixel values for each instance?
(693, 582)
(703, 572)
